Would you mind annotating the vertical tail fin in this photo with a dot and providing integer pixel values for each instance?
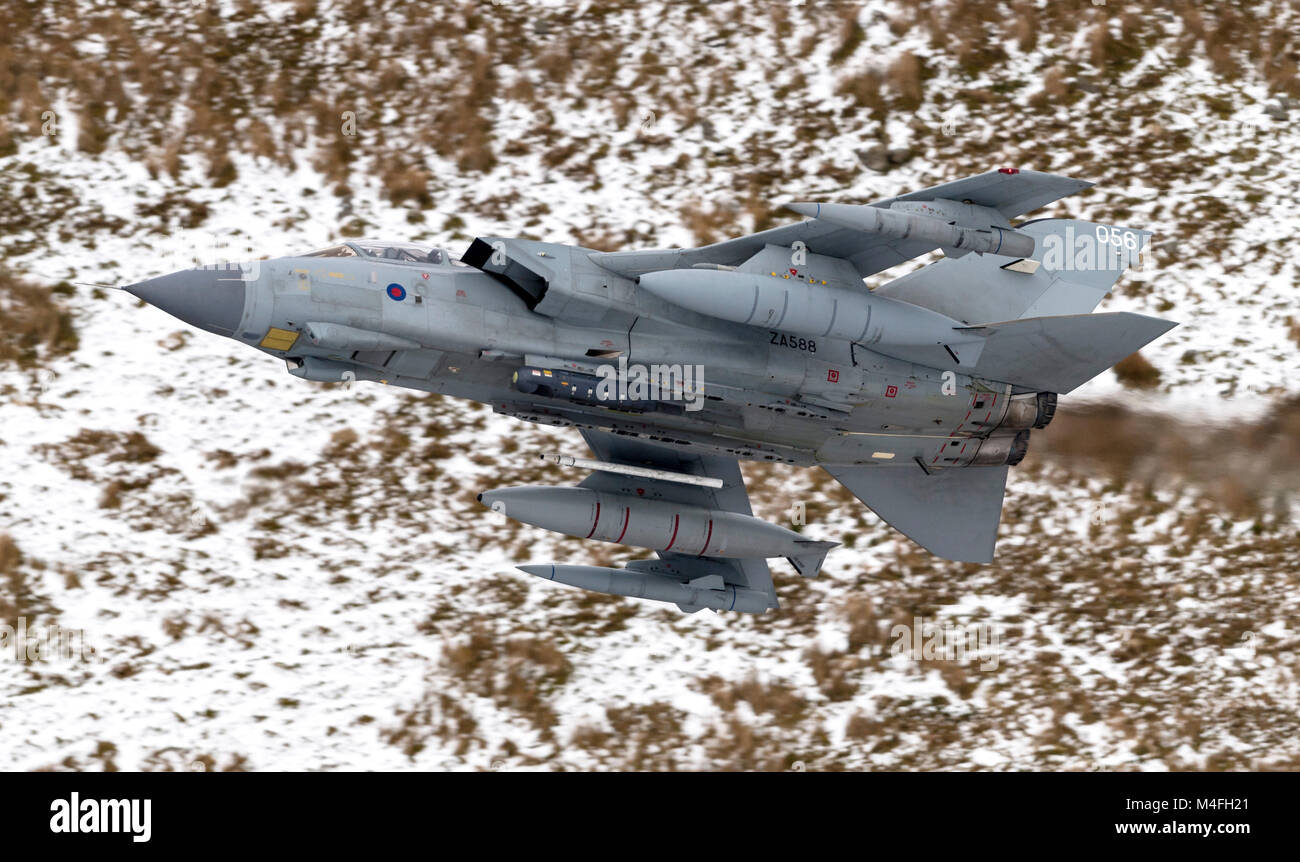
(1074, 264)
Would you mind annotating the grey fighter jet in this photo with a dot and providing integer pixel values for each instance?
(673, 365)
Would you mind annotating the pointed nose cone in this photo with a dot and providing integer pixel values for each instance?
(810, 210)
(495, 500)
(211, 299)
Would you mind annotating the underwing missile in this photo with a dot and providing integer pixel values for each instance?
(655, 524)
(955, 240)
(790, 304)
(685, 594)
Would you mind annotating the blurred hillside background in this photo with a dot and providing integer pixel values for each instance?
(274, 574)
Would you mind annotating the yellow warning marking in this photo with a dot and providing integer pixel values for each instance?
(334, 274)
(279, 339)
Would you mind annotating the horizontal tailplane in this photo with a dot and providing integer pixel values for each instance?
(1059, 354)
(953, 513)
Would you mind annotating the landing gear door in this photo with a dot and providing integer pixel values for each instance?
(419, 364)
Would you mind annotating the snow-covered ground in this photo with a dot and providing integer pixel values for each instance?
(282, 575)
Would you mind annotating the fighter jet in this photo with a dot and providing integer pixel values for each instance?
(674, 365)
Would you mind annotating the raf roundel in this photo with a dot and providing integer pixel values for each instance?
(396, 292)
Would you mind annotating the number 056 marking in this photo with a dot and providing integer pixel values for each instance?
(1117, 236)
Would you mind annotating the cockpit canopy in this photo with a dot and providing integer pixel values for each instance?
(391, 252)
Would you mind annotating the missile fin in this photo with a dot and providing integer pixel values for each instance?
(810, 564)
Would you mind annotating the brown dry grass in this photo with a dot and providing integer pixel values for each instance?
(35, 324)
(1136, 372)
(19, 595)
(517, 673)
(251, 68)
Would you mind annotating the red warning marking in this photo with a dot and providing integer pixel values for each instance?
(833, 376)
(673, 538)
(460, 293)
(595, 522)
(627, 516)
(707, 538)
(891, 391)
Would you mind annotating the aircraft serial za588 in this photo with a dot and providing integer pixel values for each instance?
(674, 364)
